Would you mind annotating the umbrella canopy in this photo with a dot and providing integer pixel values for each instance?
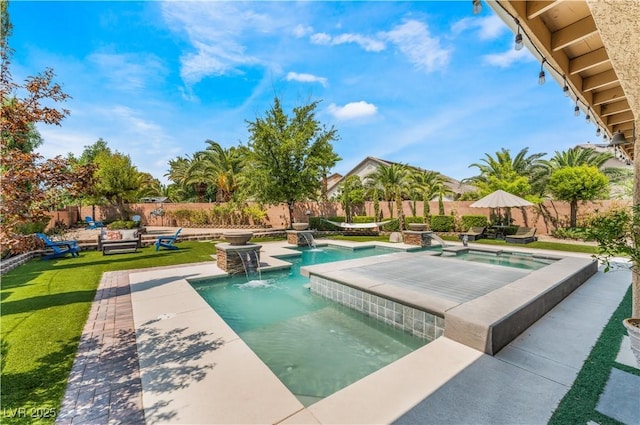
(501, 199)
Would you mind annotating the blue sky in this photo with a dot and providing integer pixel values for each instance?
(425, 83)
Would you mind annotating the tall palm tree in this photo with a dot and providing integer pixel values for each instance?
(225, 166)
(577, 156)
(427, 185)
(501, 170)
(392, 180)
(190, 174)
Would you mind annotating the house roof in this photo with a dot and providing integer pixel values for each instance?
(455, 185)
(593, 46)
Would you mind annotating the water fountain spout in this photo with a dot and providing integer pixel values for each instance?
(250, 263)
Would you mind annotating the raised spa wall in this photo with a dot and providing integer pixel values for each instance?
(229, 257)
(418, 322)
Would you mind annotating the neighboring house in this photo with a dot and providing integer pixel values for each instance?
(370, 165)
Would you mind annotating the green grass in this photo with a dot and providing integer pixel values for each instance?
(44, 307)
(579, 404)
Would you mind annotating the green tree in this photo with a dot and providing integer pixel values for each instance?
(117, 180)
(579, 183)
(226, 166)
(351, 194)
(288, 155)
(500, 172)
(394, 182)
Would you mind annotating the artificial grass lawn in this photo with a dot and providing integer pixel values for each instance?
(44, 307)
(578, 406)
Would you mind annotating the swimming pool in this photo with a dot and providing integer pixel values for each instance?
(314, 346)
(517, 260)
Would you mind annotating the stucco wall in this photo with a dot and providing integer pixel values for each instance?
(278, 215)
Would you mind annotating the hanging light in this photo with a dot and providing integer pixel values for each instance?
(477, 7)
(588, 117)
(565, 89)
(598, 132)
(518, 42)
(576, 110)
(541, 76)
(618, 139)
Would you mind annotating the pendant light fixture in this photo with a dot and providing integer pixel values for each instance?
(519, 44)
(477, 7)
(541, 76)
(576, 110)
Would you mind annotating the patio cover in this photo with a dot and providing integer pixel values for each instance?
(501, 199)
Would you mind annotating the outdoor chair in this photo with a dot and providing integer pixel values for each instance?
(59, 248)
(91, 224)
(167, 241)
(523, 235)
(474, 233)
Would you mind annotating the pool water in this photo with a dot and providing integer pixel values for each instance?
(509, 259)
(315, 346)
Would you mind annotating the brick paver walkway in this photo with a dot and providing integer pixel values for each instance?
(104, 386)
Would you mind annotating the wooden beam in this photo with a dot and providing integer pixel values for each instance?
(537, 8)
(614, 108)
(620, 118)
(599, 80)
(573, 33)
(625, 126)
(608, 96)
(587, 61)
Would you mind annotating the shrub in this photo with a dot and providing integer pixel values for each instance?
(442, 223)
(393, 226)
(469, 221)
(199, 218)
(575, 233)
(121, 224)
(408, 220)
(319, 223)
(181, 216)
(29, 228)
(363, 219)
(255, 214)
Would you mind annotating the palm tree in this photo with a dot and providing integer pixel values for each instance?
(394, 181)
(499, 172)
(428, 185)
(190, 174)
(225, 166)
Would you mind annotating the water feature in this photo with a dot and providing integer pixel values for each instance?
(314, 346)
(308, 237)
(251, 264)
(438, 239)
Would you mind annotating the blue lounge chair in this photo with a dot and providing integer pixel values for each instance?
(91, 224)
(59, 248)
(167, 241)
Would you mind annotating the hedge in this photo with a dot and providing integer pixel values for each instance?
(320, 224)
(442, 223)
(469, 221)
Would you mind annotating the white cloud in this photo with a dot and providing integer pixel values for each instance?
(353, 110)
(302, 30)
(413, 39)
(127, 72)
(488, 28)
(367, 43)
(306, 78)
(217, 32)
(505, 59)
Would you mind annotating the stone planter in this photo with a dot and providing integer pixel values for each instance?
(633, 329)
(418, 227)
(237, 238)
(300, 226)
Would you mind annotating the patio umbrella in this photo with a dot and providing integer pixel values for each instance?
(501, 199)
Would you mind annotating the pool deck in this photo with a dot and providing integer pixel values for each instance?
(153, 351)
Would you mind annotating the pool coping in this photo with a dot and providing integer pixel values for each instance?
(165, 310)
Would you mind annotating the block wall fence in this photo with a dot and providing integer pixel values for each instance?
(277, 214)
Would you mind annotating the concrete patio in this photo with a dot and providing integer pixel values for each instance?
(153, 352)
